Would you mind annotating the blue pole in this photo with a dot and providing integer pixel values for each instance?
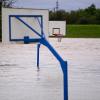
(63, 63)
(65, 79)
(38, 52)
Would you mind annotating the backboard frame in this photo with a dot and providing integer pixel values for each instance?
(18, 17)
(55, 29)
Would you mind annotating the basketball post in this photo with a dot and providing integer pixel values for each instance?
(42, 40)
(64, 66)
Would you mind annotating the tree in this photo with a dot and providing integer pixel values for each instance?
(91, 9)
(57, 15)
(98, 16)
(7, 3)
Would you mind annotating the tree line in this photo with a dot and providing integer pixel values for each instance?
(89, 15)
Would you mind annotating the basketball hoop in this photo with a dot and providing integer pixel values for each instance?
(59, 36)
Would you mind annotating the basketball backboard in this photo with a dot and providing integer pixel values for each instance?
(20, 23)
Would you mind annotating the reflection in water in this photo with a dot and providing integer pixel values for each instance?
(7, 65)
(21, 80)
(38, 74)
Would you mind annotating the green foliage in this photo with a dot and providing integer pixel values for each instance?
(90, 15)
(58, 15)
(83, 31)
(91, 10)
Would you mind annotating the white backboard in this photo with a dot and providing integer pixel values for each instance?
(57, 27)
(14, 29)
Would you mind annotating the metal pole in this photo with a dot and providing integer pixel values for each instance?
(65, 79)
(63, 63)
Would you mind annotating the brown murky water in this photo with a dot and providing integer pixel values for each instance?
(20, 80)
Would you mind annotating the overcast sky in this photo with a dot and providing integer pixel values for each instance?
(63, 4)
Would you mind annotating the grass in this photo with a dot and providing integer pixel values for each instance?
(83, 31)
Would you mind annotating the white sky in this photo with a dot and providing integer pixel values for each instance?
(63, 4)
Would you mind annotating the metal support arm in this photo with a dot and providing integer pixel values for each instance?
(63, 65)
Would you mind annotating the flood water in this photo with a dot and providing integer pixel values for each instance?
(20, 79)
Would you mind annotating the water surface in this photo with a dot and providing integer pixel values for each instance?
(20, 80)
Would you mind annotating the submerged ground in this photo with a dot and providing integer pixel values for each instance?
(20, 80)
